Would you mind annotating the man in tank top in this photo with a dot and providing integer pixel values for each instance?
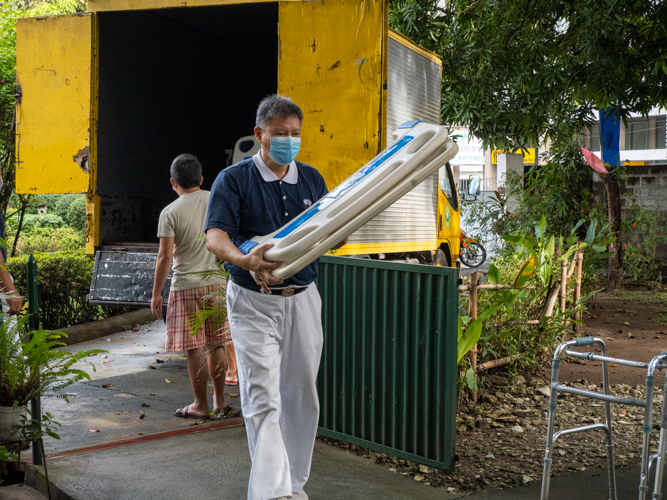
(180, 230)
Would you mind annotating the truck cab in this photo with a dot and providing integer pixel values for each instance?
(449, 219)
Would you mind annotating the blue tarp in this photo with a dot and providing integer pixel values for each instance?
(610, 131)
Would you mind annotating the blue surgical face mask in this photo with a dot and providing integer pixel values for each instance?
(284, 149)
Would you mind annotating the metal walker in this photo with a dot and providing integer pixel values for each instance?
(658, 362)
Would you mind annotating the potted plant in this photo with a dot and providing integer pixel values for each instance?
(32, 369)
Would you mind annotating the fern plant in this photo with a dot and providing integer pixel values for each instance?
(34, 368)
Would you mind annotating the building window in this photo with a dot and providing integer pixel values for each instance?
(660, 134)
(594, 134)
(638, 135)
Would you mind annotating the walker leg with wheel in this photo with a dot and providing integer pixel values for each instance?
(647, 429)
(611, 470)
(662, 444)
(553, 403)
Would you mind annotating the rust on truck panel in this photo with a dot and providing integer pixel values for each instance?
(82, 159)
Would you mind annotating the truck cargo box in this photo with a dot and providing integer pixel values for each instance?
(108, 98)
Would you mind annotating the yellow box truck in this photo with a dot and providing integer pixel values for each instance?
(109, 97)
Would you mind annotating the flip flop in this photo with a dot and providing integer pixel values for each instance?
(183, 413)
(222, 411)
(232, 381)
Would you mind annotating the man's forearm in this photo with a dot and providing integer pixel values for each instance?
(161, 272)
(222, 247)
(6, 285)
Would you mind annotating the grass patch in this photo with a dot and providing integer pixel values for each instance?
(646, 298)
(660, 318)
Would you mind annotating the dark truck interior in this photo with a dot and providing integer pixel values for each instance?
(174, 81)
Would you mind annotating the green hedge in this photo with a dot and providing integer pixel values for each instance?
(63, 282)
(49, 240)
(47, 232)
(76, 214)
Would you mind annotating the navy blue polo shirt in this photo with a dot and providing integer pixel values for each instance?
(248, 200)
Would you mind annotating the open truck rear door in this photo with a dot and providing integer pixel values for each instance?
(56, 67)
(56, 142)
(55, 73)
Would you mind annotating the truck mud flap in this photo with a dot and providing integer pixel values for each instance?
(122, 278)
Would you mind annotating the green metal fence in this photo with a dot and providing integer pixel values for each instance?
(387, 380)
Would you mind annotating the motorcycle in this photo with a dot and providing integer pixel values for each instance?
(472, 253)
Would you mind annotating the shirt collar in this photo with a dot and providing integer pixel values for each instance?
(267, 174)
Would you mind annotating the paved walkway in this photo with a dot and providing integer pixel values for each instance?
(215, 465)
(212, 463)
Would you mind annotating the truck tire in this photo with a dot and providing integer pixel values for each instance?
(443, 258)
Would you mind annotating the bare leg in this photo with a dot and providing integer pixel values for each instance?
(232, 376)
(217, 365)
(198, 371)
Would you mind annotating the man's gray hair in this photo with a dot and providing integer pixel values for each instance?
(186, 171)
(276, 106)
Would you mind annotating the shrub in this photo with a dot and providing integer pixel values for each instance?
(35, 221)
(49, 240)
(50, 200)
(62, 204)
(76, 214)
(558, 190)
(44, 233)
(534, 267)
(645, 232)
(63, 282)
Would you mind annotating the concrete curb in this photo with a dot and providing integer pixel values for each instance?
(34, 478)
(107, 326)
(20, 492)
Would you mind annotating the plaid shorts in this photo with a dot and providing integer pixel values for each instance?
(183, 305)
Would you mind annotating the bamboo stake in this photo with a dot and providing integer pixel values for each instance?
(572, 267)
(551, 301)
(527, 322)
(497, 362)
(474, 283)
(488, 286)
(563, 285)
(579, 257)
(530, 322)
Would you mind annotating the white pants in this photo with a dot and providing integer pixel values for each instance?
(278, 342)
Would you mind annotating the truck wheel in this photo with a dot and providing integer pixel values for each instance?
(442, 258)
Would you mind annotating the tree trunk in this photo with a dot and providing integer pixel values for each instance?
(615, 263)
(9, 178)
(24, 206)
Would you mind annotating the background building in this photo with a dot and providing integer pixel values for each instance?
(642, 141)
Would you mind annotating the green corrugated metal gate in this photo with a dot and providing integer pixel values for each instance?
(387, 380)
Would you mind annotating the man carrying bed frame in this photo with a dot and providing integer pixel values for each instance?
(277, 327)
